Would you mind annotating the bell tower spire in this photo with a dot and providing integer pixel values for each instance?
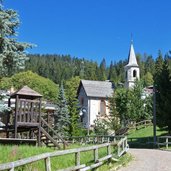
(132, 71)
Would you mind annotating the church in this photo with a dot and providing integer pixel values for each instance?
(93, 95)
(132, 70)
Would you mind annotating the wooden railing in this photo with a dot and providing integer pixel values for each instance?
(164, 141)
(138, 125)
(46, 129)
(141, 124)
(28, 111)
(93, 139)
(122, 146)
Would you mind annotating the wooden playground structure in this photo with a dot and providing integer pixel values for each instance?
(25, 122)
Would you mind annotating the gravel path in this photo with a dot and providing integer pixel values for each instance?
(149, 160)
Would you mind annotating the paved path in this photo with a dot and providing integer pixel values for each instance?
(149, 160)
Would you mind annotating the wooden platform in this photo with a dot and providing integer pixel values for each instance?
(17, 141)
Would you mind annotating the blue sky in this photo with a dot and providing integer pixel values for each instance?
(94, 29)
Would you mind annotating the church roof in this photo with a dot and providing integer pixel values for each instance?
(132, 61)
(97, 88)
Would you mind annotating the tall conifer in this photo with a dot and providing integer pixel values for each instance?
(12, 56)
(61, 115)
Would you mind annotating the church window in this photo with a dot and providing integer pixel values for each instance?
(102, 107)
(134, 73)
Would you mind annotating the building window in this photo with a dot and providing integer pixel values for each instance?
(134, 73)
(82, 101)
(102, 107)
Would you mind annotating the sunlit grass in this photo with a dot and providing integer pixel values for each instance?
(146, 132)
(13, 153)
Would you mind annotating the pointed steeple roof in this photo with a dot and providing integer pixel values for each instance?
(132, 61)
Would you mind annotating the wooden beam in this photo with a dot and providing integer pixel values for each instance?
(47, 164)
(16, 115)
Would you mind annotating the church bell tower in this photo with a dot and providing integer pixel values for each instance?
(132, 71)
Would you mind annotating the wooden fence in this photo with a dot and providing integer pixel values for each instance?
(93, 139)
(141, 124)
(133, 125)
(164, 141)
(122, 148)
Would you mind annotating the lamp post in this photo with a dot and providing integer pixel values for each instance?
(154, 114)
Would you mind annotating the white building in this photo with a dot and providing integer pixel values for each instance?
(93, 98)
(132, 71)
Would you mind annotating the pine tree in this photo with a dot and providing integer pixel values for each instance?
(110, 71)
(102, 70)
(61, 115)
(12, 56)
(158, 67)
(150, 65)
(73, 107)
(148, 79)
(163, 97)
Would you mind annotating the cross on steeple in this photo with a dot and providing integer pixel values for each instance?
(131, 38)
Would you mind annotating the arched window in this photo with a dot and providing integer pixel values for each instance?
(134, 73)
(102, 107)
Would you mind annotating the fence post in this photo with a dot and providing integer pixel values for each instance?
(96, 155)
(77, 158)
(118, 149)
(47, 164)
(109, 149)
(167, 142)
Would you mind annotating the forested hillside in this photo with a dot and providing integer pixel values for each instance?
(63, 67)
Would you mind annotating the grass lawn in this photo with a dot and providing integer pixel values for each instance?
(146, 132)
(12, 153)
(143, 138)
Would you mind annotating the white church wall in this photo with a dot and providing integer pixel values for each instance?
(83, 101)
(94, 105)
(94, 110)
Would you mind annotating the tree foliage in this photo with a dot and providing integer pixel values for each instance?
(61, 115)
(131, 106)
(163, 96)
(71, 87)
(12, 55)
(40, 84)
